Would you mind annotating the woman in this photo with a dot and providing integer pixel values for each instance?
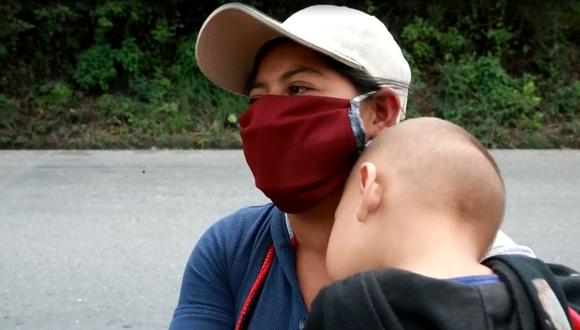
(322, 85)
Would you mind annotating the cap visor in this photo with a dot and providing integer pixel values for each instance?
(229, 40)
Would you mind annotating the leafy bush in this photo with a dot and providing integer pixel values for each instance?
(96, 68)
(564, 103)
(479, 95)
(122, 73)
(426, 43)
(57, 95)
(9, 114)
(129, 56)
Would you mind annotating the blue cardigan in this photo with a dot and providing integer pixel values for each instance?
(223, 267)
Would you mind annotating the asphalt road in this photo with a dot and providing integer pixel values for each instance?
(98, 240)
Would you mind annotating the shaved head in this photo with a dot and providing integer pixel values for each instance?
(440, 167)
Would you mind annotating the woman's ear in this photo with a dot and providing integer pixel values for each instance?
(371, 191)
(381, 113)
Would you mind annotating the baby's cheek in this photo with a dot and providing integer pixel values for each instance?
(338, 254)
(333, 251)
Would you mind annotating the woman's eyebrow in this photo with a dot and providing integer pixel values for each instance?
(286, 76)
(301, 69)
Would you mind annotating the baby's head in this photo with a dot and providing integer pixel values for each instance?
(420, 182)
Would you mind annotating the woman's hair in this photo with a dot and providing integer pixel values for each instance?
(361, 80)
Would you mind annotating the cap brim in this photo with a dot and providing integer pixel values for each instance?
(229, 40)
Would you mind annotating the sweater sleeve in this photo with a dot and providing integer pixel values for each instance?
(503, 244)
(205, 300)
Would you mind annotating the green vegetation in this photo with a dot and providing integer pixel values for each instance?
(122, 73)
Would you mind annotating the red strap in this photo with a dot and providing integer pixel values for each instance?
(575, 318)
(266, 265)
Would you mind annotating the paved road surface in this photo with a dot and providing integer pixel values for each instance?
(98, 240)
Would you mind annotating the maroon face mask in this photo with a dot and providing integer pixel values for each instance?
(301, 148)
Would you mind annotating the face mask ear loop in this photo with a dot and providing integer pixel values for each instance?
(399, 87)
(356, 123)
(402, 115)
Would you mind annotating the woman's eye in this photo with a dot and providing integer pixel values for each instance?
(297, 90)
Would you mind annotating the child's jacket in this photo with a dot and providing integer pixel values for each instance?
(530, 295)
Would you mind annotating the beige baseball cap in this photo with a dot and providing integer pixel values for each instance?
(231, 36)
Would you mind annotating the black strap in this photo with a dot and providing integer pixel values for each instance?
(519, 274)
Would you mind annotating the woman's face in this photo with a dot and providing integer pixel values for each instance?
(291, 69)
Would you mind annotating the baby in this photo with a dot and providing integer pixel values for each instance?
(425, 197)
(419, 212)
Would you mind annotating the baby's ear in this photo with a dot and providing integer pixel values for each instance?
(371, 190)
